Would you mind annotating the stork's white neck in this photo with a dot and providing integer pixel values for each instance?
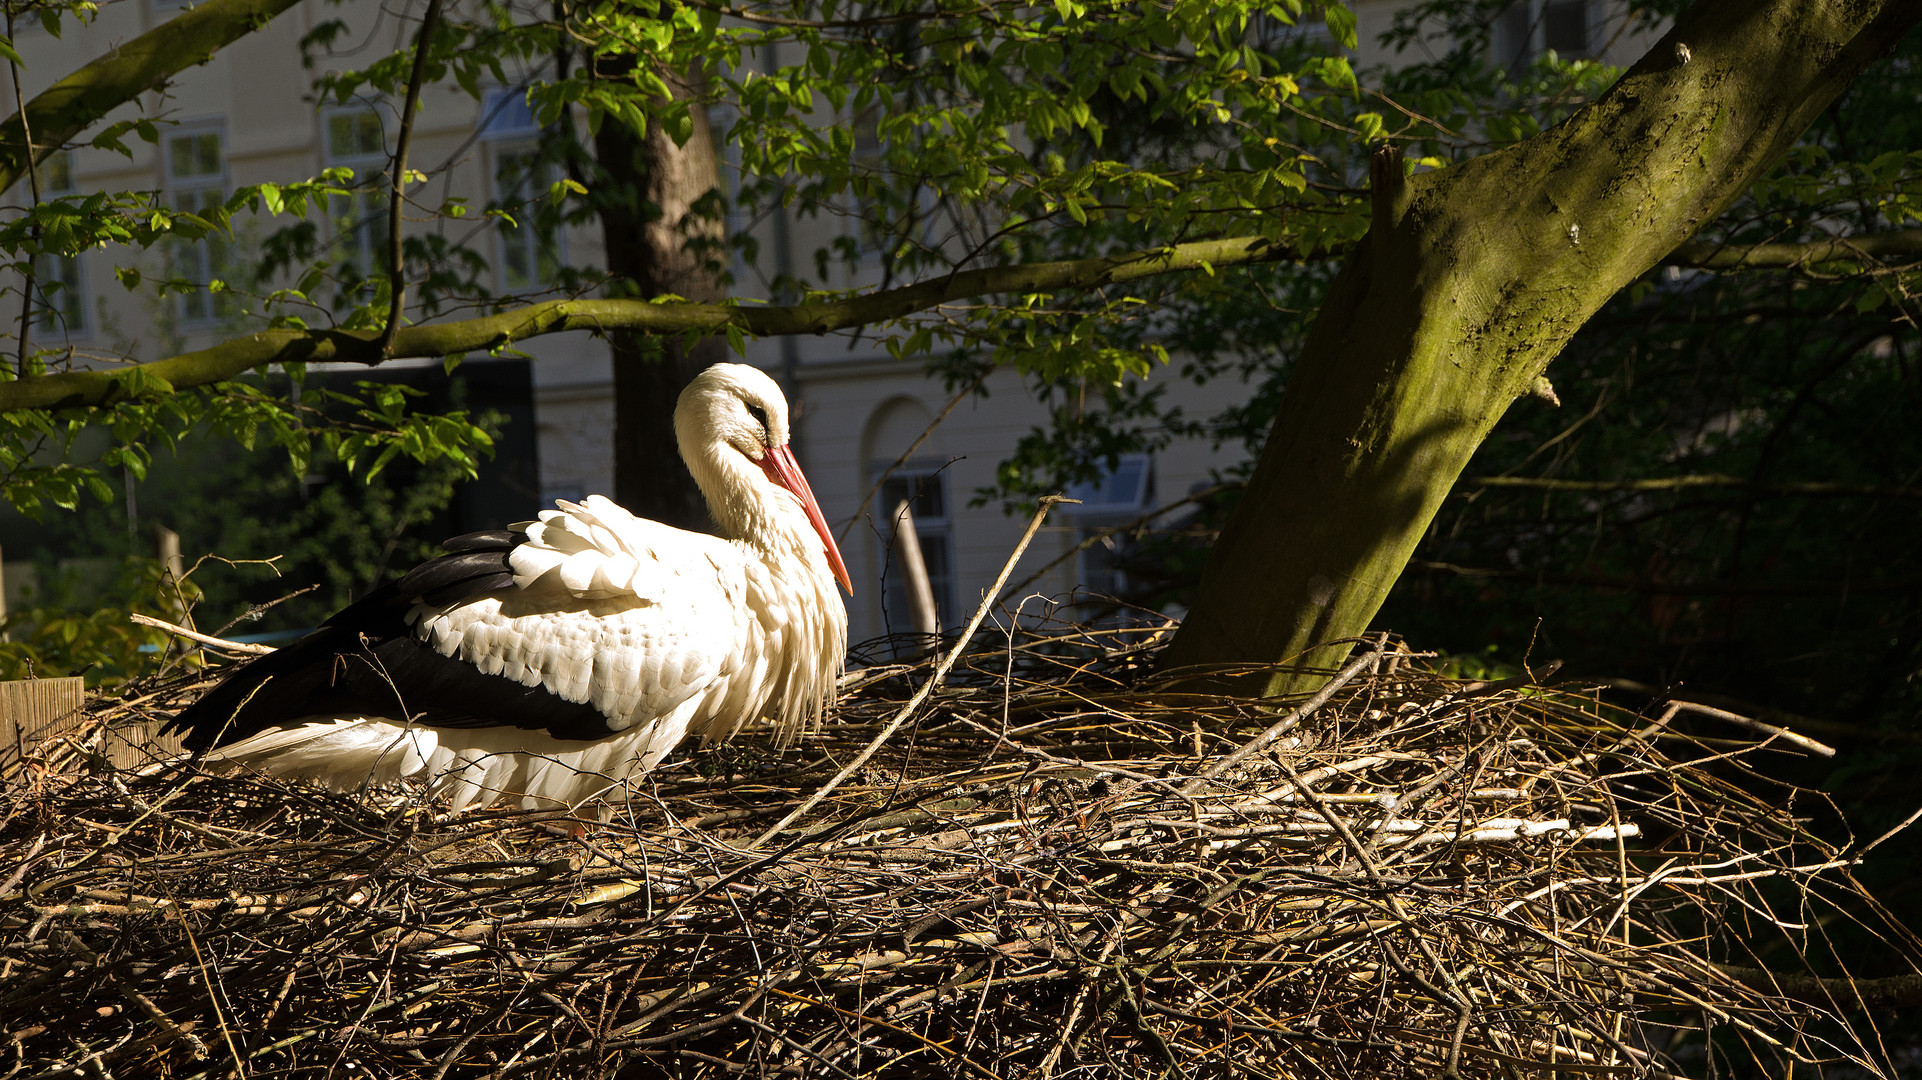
(749, 508)
(789, 580)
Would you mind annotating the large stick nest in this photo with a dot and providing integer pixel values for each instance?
(1033, 878)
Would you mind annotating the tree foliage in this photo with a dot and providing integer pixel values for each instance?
(1081, 191)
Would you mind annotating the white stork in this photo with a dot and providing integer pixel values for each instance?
(553, 662)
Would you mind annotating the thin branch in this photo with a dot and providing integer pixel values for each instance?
(33, 183)
(1900, 245)
(1295, 716)
(1855, 995)
(1753, 724)
(205, 639)
(1843, 587)
(396, 265)
(926, 432)
(1766, 713)
(1098, 537)
(1704, 480)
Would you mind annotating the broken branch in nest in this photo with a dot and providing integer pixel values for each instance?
(1409, 880)
(242, 647)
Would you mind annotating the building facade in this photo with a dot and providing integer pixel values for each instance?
(863, 419)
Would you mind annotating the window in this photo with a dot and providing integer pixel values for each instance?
(505, 114)
(1528, 27)
(1269, 33)
(1565, 28)
(1124, 489)
(926, 492)
(356, 139)
(56, 175)
(529, 243)
(1117, 497)
(196, 183)
(59, 282)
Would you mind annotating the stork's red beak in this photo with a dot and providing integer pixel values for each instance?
(779, 465)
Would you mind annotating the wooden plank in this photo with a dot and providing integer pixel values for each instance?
(33, 710)
(139, 744)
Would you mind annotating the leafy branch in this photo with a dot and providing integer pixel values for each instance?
(496, 332)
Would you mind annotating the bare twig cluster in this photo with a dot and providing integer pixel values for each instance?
(1038, 877)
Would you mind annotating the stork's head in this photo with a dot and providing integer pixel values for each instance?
(732, 425)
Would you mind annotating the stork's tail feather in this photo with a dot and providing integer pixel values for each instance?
(328, 670)
(273, 685)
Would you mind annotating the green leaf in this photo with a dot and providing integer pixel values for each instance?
(6, 50)
(1341, 24)
(387, 454)
(737, 340)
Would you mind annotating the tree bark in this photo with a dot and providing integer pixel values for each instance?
(658, 245)
(1470, 281)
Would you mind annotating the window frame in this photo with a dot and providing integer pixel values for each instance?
(206, 254)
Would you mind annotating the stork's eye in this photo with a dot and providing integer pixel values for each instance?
(760, 417)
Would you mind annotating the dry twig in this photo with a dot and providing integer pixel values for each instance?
(1416, 879)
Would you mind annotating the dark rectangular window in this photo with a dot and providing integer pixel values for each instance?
(1565, 28)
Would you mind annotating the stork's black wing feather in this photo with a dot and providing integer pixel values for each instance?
(456, 576)
(500, 540)
(366, 660)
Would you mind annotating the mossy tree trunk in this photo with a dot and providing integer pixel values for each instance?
(1472, 278)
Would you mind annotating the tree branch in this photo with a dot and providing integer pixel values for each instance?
(1679, 483)
(397, 197)
(231, 358)
(1853, 995)
(1765, 713)
(1649, 587)
(1471, 280)
(1900, 246)
(73, 104)
(33, 189)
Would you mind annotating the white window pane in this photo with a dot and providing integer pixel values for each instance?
(56, 174)
(194, 156)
